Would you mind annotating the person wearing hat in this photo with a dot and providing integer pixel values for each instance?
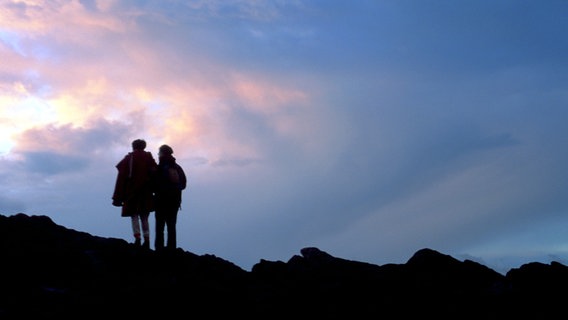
(170, 181)
(133, 190)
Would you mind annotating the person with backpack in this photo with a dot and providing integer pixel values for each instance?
(133, 190)
(170, 181)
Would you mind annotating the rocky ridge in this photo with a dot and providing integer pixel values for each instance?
(51, 271)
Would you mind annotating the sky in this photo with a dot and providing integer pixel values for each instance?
(367, 129)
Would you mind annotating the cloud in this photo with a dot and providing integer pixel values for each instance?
(50, 163)
(58, 149)
(10, 205)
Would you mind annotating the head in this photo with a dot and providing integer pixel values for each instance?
(165, 150)
(138, 144)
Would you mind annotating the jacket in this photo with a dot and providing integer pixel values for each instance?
(168, 192)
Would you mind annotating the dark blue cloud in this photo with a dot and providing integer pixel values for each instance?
(51, 163)
(10, 205)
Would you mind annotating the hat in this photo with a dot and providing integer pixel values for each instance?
(165, 149)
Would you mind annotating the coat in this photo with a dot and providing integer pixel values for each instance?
(168, 194)
(134, 183)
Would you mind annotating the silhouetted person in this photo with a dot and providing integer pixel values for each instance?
(133, 190)
(170, 181)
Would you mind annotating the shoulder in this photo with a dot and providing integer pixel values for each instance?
(124, 160)
(148, 155)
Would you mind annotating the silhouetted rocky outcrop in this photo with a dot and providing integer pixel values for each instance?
(50, 271)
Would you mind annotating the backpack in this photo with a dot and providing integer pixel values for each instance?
(175, 176)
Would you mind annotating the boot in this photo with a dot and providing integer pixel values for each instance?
(137, 242)
(146, 244)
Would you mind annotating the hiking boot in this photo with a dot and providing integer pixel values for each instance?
(146, 245)
(137, 242)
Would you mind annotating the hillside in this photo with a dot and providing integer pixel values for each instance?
(51, 271)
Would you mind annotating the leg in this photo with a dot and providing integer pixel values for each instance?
(160, 224)
(171, 223)
(145, 229)
(136, 228)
